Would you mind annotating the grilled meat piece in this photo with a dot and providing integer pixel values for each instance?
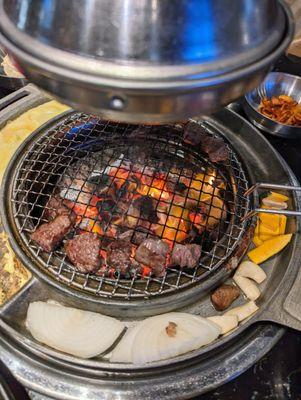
(224, 296)
(84, 252)
(118, 256)
(107, 205)
(216, 148)
(153, 252)
(49, 235)
(126, 236)
(136, 236)
(55, 207)
(193, 133)
(187, 255)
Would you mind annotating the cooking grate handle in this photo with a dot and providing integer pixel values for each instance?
(261, 185)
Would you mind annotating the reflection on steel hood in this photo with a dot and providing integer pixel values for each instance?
(145, 60)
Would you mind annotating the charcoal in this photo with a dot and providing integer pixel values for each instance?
(108, 205)
(101, 182)
(180, 187)
(148, 210)
(77, 190)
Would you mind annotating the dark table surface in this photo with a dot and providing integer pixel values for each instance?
(278, 375)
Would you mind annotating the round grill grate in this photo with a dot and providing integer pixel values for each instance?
(81, 142)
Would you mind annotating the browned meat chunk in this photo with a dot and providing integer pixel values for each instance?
(153, 252)
(49, 235)
(84, 252)
(55, 207)
(118, 256)
(216, 148)
(193, 133)
(136, 236)
(224, 296)
(186, 255)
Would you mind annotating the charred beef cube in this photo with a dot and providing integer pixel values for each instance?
(49, 235)
(224, 296)
(216, 148)
(186, 255)
(140, 234)
(126, 236)
(118, 256)
(153, 252)
(84, 252)
(55, 207)
(193, 133)
(136, 236)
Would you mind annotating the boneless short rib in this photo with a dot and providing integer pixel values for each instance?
(119, 257)
(84, 252)
(186, 255)
(215, 148)
(50, 235)
(55, 207)
(153, 252)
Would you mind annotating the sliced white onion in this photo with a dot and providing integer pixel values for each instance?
(247, 286)
(225, 322)
(123, 351)
(244, 311)
(80, 333)
(149, 340)
(248, 269)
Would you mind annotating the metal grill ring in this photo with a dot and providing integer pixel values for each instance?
(80, 137)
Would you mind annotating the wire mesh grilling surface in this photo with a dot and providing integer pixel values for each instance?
(85, 149)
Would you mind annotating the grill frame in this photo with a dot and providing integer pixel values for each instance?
(143, 305)
(239, 351)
